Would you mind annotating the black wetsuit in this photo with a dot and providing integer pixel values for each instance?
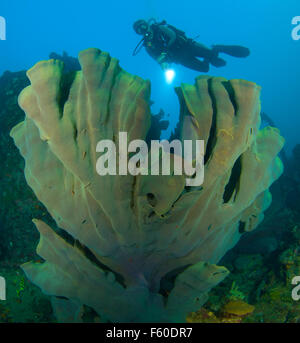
(164, 38)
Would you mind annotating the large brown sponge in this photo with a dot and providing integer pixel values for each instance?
(154, 241)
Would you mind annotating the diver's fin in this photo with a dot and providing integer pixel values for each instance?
(217, 62)
(232, 50)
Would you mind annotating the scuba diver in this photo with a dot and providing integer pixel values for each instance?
(167, 44)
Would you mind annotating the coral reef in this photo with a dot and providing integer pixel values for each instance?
(237, 308)
(70, 63)
(158, 124)
(234, 311)
(142, 248)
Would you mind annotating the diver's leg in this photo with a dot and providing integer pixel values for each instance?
(217, 62)
(195, 64)
(232, 50)
(200, 50)
(211, 55)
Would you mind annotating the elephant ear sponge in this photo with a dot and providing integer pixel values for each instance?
(145, 247)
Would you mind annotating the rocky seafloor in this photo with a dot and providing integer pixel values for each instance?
(262, 264)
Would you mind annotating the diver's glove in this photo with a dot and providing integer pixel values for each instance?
(164, 66)
(162, 58)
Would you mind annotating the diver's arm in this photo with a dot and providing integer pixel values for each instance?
(170, 38)
(160, 58)
(169, 34)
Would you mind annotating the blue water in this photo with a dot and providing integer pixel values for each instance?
(36, 28)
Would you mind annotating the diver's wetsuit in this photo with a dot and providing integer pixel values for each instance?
(177, 48)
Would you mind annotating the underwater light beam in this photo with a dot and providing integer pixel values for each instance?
(169, 75)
